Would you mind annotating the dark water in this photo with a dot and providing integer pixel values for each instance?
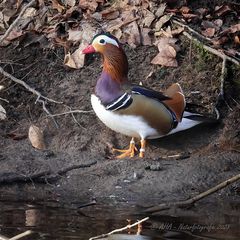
(51, 221)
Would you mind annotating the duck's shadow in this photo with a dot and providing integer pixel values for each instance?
(195, 138)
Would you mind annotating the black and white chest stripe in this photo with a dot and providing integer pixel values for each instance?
(122, 102)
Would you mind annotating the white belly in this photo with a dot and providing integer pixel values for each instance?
(133, 126)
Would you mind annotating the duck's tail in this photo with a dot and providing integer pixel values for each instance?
(191, 119)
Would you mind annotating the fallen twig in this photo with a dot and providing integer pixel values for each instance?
(70, 112)
(32, 90)
(87, 204)
(76, 166)
(48, 113)
(5, 35)
(120, 229)
(5, 100)
(25, 85)
(21, 235)
(189, 202)
(212, 50)
(222, 78)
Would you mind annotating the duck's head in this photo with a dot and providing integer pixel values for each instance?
(101, 43)
(114, 59)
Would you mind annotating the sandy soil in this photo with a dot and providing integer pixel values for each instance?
(208, 154)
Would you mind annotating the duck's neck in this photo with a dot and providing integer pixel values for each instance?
(114, 75)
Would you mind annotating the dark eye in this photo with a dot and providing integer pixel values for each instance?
(102, 41)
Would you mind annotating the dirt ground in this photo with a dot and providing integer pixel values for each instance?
(209, 154)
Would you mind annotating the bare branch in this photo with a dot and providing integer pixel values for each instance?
(120, 229)
(189, 202)
(21, 235)
(5, 35)
(191, 30)
(3, 237)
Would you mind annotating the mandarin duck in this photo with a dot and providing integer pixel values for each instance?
(133, 110)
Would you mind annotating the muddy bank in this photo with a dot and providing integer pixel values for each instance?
(175, 168)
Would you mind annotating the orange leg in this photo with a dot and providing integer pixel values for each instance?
(142, 149)
(128, 152)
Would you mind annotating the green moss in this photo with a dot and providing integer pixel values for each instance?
(203, 57)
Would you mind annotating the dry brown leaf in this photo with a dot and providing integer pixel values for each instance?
(177, 31)
(58, 6)
(161, 9)
(145, 3)
(3, 114)
(218, 22)
(184, 9)
(114, 25)
(110, 14)
(8, 13)
(88, 31)
(118, 23)
(131, 34)
(149, 17)
(167, 52)
(74, 35)
(209, 32)
(202, 11)
(15, 33)
(76, 59)
(212, 24)
(167, 58)
(164, 19)
(237, 39)
(169, 33)
(70, 3)
(30, 12)
(88, 4)
(35, 135)
(233, 29)
(97, 16)
(189, 15)
(68, 61)
(219, 41)
(146, 40)
(117, 33)
(220, 10)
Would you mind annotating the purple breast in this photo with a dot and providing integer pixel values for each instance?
(107, 89)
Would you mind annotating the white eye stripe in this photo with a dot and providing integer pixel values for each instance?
(106, 39)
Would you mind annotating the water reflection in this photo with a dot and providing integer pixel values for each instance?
(51, 221)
